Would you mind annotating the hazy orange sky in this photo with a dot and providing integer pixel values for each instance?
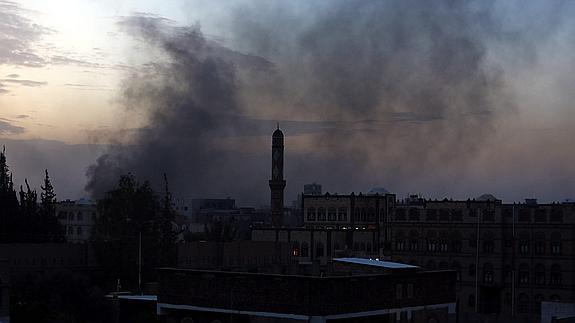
(64, 66)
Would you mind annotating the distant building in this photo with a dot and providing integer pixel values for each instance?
(312, 189)
(78, 218)
(353, 290)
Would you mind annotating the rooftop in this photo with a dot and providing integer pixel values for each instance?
(375, 263)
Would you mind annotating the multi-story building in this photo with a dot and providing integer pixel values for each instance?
(509, 257)
(354, 290)
(78, 218)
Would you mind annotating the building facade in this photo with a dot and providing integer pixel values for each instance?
(509, 257)
(78, 219)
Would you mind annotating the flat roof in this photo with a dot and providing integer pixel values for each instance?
(149, 298)
(375, 263)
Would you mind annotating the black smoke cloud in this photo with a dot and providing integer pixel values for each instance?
(395, 92)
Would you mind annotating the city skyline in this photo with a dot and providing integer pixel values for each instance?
(452, 101)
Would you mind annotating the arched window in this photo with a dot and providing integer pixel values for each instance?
(331, 215)
(488, 274)
(342, 214)
(413, 243)
(304, 249)
(319, 249)
(539, 274)
(523, 274)
(370, 214)
(321, 214)
(539, 243)
(555, 275)
(556, 243)
(524, 243)
(536, 308)
(311, 214)
(523, 303)
(457, 267)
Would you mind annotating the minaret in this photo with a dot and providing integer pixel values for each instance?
(277, 183)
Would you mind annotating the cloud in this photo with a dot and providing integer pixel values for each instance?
(6, 128)
(13, 76)
(28, 83)
(18, 36)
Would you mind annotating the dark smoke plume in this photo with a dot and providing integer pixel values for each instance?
(377, 92)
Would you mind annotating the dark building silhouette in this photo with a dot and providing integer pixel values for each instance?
(277, 183)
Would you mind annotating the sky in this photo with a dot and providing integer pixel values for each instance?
(450, 99)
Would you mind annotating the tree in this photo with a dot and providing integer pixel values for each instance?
(53, 230)
(8, 201)
(126, 212)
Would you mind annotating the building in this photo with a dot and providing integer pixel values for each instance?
(78, 218)
(312, 189)
(4, 291)
(277, 183)
(354, 290)
(509, 257)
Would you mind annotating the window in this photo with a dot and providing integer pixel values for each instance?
(295, 249)
(399, 245)
(524, 274)
(321, 214)
(409, 290)
(443, 215)
(342, 214)
(331, 215)
(363, 214)
(371, 214)
(456, 215)
(488, 215)
(70, 230)
(556, 243)
(413, 245)
(540, 274)
(541, 215)
(456, 246)
(431, 245)
(357, 214)
(556, 215)
(555, 275)
(488, 246)
(398, 291)
(523, 303)
(79, 231)
(524, 215)
(444, 246)
(319, 249)
(524, 247)
(488, 274)
(80, 216)
(311, 214)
